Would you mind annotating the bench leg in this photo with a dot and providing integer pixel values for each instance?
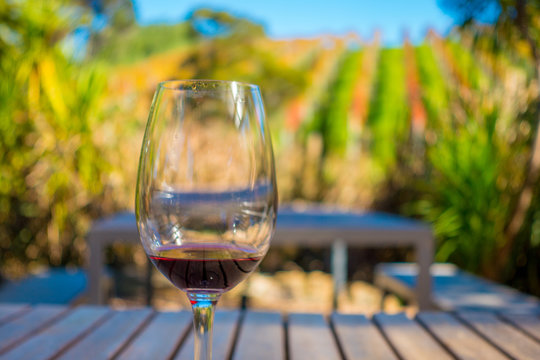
(95, 271)
(424, 258)
(339, 269)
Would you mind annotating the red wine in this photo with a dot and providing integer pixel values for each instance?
(203, 268)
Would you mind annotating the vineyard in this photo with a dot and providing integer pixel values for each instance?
(434, 130)
(439, 130)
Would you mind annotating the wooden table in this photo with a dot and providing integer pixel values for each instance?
(98, 332)
(309, 227)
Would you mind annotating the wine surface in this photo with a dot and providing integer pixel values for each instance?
(209, 268)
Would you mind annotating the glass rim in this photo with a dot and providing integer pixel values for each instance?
(173, 84)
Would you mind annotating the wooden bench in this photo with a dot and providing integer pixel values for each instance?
(454, 289)
(53, 286)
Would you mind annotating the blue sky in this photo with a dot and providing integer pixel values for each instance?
(295, 18)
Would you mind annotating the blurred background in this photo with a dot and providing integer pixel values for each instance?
(428, 109)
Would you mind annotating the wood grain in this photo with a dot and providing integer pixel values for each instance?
(10, 311)
(160, 338)
(360, 339)
(462, 341)
(527, 322)
(310, 338)
(23, 326)
(261, 337)
(505, 336)
(59, 336)
(105, 341)
(409, 339)
(59, 332)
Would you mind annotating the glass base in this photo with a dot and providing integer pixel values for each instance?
(202, 298)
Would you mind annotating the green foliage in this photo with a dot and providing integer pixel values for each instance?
(118, 13)
(139, 42)
(463, 196)
(468, 67)
(331, 119)
(474, 165)
(388, 111)
(57, 152)
(209, 23)
(515, 22)
(50, 173)
(239, 56)
(433, 85)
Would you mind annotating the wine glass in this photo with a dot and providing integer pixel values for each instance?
(206, 196)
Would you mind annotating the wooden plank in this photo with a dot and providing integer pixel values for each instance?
(10, 311)
(252, 344)
(310, 338)
(30, 322)
(59, 336)
(160, 338)
(225, 323)
(527, 322)
(505, 336)
(409, 339)
(458, 338)
(109, 337)
(360, 339)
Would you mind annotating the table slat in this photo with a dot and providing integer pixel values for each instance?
(261, 337)
(225, 323)
(109, 337)
(409, 339)
(526, 322)
(86, 332)
(159, 339)
(310, 338)
(9, 311)
(360, 339)
(507, 337)
(462, 341)
(23, 326)
(59, 336)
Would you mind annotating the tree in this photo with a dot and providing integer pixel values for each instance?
(50, 163)
(233, 48)
(113, 17)
(207, 23)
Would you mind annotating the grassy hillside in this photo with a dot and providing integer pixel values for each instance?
(139, 42)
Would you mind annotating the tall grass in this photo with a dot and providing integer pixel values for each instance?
(473, 166)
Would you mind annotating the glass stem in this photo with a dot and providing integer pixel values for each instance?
(203, 322)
